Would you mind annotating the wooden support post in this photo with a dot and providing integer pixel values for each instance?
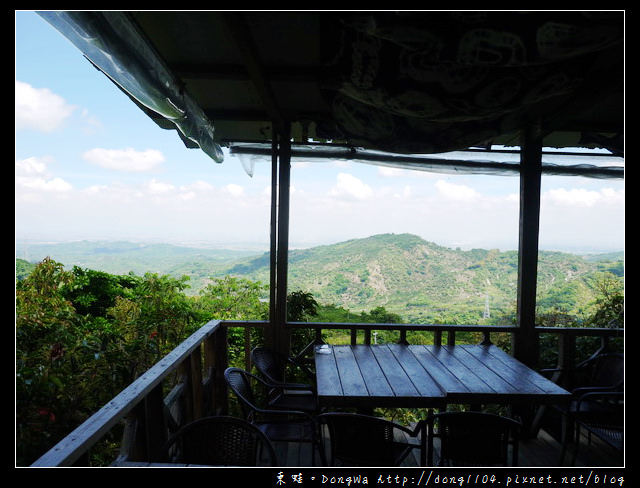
(277, 335)
(526, 342)
(269, 335)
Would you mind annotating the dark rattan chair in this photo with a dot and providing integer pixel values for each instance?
(284, 393)
(220, 441)
(597, 386)
(473, 439)
(277, 425)
(600, 413)
(350, 439)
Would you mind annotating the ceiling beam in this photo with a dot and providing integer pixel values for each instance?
(240, 32)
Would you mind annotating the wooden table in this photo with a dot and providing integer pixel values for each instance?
(419, 376)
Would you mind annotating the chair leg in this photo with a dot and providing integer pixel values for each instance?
(574, 456)
(564, 438)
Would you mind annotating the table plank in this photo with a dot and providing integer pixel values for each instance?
(437, 362)
(483, 365)
(396, 375)
(353, 384)
(376, 381)
(525, 379)
(327, 376)
(409, 368)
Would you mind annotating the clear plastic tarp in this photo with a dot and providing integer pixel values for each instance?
(587, 163)
(114, 45)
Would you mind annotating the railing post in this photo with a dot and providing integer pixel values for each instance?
(367, 337)
(566, 358)
(486, 338)
(196, 382)
(220, 363)
(451, 337)
(154, 420)
(403, 337)
(185, 377)
(208, 350)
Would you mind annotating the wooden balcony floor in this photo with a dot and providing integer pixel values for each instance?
(543, 451)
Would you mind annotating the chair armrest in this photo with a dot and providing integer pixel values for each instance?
(288, 413)
(594, 394)
(584, 390)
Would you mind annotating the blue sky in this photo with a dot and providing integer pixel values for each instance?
(90, 165)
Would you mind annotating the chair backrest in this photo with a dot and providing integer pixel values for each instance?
(240, 382)
(474, 438)
(270, 364)
(220, 441)
(605, 370)
(361, 440)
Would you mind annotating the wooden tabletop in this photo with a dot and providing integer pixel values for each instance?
(419, 376)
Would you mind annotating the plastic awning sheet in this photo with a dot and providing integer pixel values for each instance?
(482, 162)
(114, 45)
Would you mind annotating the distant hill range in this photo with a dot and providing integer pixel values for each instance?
(402, 272)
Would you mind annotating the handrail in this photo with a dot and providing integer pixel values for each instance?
(404, 328)
(78, 442)
(143, 398)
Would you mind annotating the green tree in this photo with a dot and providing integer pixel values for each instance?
(380, 315)
(94, 292)
(609, 304)
(301, 306)
(155, 317)
(50, 380)
(232, 298)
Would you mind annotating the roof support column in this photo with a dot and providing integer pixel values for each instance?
(525, 343)
(277, 335)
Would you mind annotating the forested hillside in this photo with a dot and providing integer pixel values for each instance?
(419, 280)
(84, 334)
(425, 282)
(122, 257)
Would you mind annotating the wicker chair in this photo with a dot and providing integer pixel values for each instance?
(597, 386)
(220, 441)
(285, 394)
(601, 414)
(350, 439)
(277, 425)
(473, 439)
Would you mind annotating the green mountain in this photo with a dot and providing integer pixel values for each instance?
(419, 280)
(123, 257)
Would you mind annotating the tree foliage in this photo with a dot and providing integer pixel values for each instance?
(82, 335)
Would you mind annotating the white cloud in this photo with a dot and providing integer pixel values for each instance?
(39, 108)
(452, 191)
(155, 187)
(32, 175)
(388, 172)
(128, 159)
(235, 190)
(350, 187)
(580, 197)
(30, 167)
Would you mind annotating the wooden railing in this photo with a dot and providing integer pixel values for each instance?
(188, 384)
(199, 362)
